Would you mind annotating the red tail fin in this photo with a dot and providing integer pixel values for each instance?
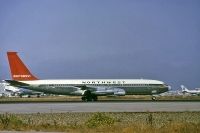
(18, 70)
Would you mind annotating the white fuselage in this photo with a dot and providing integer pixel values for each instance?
(185, 90)
(98, 86)
(94, 82)
(193, 91)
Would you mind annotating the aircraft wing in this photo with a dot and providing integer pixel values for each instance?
(84, 87)
(106, 90)
(103, 90)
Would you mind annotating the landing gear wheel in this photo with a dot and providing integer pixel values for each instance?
(94, 98)
(88, 96)
(83, 98)
(154, 98)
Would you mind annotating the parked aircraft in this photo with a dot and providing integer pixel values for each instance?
(193, 92)
(89, 89)
(2, 90)
(15, 91)
(9, 88)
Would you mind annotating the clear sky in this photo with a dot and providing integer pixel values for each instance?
(70, 39)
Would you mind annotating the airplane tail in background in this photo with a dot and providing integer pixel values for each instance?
(18, 70)
(184, 89)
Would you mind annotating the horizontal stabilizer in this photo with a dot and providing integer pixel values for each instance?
(16, 83)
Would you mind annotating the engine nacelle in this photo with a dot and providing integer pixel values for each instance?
(110, 91)
(119, 92)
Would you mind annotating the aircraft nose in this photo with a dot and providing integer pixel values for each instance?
(167, 87)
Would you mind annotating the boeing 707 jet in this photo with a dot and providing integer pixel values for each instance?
(89, 89)
(193, 92)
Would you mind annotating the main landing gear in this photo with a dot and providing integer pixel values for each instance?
(88, 96)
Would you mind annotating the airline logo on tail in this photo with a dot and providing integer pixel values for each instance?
(18, 70)
(17, 76)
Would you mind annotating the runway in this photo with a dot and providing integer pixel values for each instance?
(99, 107)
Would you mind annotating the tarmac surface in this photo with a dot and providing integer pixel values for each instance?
(25, 108)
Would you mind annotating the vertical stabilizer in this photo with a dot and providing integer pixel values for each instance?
(184, 89)
(18, 70)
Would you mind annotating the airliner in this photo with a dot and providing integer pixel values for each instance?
(193, 92)
(15, 91)
(89, 89)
